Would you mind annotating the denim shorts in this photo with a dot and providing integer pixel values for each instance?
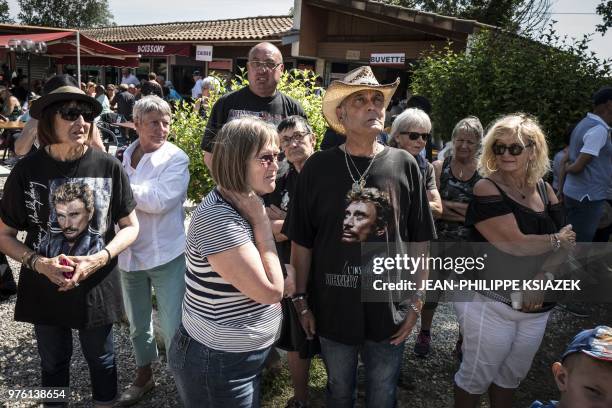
(207, 377)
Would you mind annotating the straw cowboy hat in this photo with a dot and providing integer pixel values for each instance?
(357, 80)
(63, 94)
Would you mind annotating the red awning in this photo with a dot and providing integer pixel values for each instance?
(62, 46)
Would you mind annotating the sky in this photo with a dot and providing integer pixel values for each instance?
(574, 18)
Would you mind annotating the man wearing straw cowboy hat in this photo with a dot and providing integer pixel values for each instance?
(338, 304)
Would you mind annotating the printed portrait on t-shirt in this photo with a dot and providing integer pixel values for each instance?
(78, 216)
(366, 217)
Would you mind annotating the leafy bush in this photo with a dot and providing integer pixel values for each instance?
(188, 126)
(550, 78)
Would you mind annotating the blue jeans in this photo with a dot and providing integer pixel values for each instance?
(55, 349)
(584, 216)
(212, 378)
(168, 281)
(382, 367)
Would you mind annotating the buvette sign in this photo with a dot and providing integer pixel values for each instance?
(388, 59)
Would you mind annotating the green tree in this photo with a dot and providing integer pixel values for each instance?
(65, 13)
(513, 15)
(5, 16)
(188, 126)
(552, 79)
(604, 9)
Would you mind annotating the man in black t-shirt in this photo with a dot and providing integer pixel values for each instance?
(348, 196)
(260, 98)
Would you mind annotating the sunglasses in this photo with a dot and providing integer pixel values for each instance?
(267, 159)
(416, 135)
(72, 112)
(514, 149)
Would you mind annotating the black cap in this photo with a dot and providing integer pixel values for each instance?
(602, 96)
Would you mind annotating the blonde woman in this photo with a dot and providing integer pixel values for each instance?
(520, 217)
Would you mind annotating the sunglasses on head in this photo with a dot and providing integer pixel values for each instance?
(515, 149)
(267, 159)
(416, 135)
(71, 112)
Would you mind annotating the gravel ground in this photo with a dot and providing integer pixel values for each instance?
(425, 382)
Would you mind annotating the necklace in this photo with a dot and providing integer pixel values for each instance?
(358, 184)
(459, 167)
(60, 171)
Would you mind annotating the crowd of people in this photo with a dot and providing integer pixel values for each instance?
(274, 255)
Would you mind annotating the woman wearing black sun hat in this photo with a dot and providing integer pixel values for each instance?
(68, 197)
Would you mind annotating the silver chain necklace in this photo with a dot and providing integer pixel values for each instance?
(358, 184)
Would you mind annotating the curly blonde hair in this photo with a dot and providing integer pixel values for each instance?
(527, 130)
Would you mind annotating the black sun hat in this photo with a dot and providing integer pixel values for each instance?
(63, 94)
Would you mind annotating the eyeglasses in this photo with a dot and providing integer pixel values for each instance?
(514, 149)
(416, 135)
(72, 112)
(297, 137)
(267, 65)
(267, 159)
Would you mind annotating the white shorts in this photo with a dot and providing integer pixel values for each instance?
(499, 344)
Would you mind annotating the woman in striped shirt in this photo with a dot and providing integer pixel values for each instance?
(231, 311)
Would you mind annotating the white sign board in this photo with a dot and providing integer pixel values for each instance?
(388, 59)
(204, 52)
(352, 54)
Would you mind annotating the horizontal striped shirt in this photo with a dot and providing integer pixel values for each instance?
(215, 313)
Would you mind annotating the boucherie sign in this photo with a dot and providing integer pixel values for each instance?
(153, 49)
(388, 59)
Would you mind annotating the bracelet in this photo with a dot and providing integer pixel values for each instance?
(304, 311)
(109, 256)
(28, 260)
(555, 242)
(32, 261)
(22, 259)
(36, 258)
(416, 309)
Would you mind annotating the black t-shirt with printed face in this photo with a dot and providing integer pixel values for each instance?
(244, 102)
(328, 218)
(68, 208)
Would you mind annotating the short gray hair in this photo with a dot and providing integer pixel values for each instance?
(211, 83)
(410, 118)
(148, 104)
(470, 125)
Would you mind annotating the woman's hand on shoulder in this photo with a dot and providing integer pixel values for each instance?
(249, 205)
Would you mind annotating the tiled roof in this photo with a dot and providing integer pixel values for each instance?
(251, 28)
